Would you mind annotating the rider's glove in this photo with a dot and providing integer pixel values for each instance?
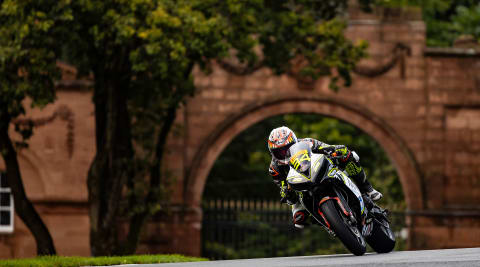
(288, 196)
(327, 150)
(341, 156)
(339, 153)
(342, 153)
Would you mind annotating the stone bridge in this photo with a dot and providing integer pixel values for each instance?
(422, 105)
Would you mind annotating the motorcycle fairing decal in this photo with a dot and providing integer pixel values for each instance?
(367, 229)
(297, 179)
(334, 173)
(348, 182)
(318, 160)
(316, 165)
(362, 204)
(294, 176)
(299, 157)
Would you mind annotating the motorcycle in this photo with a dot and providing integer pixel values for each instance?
(336, 203)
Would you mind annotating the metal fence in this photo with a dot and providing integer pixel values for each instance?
(252, 228)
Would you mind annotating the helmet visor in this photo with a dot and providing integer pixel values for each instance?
(281, 152)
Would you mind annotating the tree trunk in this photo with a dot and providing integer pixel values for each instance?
(138, 220)
(23, 206)
(111, 166)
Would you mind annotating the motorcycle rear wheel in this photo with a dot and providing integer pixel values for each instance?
(382, 239)
(349, 235)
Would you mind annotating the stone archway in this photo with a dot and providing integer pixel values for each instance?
(402, 158)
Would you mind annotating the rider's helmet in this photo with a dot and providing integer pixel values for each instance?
(279, 141)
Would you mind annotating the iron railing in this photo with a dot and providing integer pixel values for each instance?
(252, 228)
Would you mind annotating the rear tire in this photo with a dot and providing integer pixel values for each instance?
(344, 231)
(382, 239)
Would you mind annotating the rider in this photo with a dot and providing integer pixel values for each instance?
(279, 142)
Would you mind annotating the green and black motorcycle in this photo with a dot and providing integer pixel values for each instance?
(336, 203)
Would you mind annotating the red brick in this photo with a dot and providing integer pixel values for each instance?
(219, 81)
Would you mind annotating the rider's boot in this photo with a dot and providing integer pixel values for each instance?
(365, 186)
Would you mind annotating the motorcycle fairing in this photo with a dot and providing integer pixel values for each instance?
(299, 176)
(336, 173)
(298, 181)
(319, 167)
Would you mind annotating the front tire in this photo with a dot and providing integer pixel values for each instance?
(348, 234)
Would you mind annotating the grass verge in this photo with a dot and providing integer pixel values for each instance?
(59, 261)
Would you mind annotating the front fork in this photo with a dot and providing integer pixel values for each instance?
(318, 214)
(310, 206)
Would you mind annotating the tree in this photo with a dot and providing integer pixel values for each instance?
(467, 21)
(142, 54)
(28, 51)
(445, 19)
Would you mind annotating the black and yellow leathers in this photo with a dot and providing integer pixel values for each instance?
(346, 160)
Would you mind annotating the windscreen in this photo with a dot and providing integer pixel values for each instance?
(300, 157)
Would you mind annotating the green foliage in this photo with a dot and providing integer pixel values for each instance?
(28, 53)
(58, 261)
(445, 19)
(467, 21)
(266, 240)
(243, 165)
(162, 39)
(29, 34)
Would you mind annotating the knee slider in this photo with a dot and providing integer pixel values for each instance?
(299, 218)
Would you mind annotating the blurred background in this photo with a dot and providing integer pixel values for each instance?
(140, 127)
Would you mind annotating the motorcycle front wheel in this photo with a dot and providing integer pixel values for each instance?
(348, 234)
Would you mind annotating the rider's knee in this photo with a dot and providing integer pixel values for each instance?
(300, 218)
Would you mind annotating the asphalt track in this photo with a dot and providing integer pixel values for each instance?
(466, 257)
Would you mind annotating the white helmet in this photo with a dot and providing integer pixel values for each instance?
(279, 141)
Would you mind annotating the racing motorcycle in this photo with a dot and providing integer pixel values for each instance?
(336, 203)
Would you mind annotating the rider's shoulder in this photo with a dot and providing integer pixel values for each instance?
(313, 141)
(308, 140)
